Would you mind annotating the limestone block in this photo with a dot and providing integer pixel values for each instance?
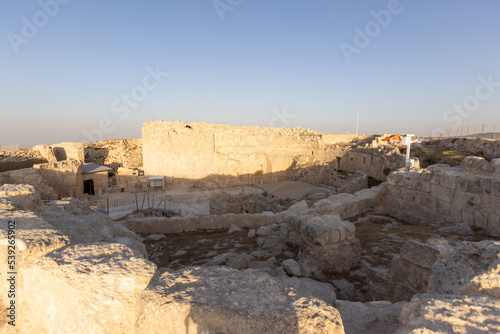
(371, 317)
(448, 180)
(330, 244)
(487, 186)
(467, 200)
(494, 224)
(46, 152)
(420, 254)
(224, 300)
(496, 186)
(264, 231)
(450, 314)
(476, 164)
(495, 163)
(443, 193)
(480, 220)
(91, 288)
(468, 216)
(394, 191)
(291, 267)
(328, 229)
(456, 213)
(473, 267)
(474, 185)
(462, 182)
(320, 290)
(490, 204)
(441, 208)
(40, 236)
(411, 275)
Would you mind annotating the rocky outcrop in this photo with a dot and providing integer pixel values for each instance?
(223, 300)
(115, 152)
(75, 219)
(91, 288)
(450, 314)
(484, 147)
(377, 317)
(473, 267)
(21, 196)
(46, 152)
(410, 272)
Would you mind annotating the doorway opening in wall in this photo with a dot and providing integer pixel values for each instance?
(88, 187)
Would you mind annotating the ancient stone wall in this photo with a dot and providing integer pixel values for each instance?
(250, 154)
(375, 164)
(470, 193)
(64, 176)
(29, 176)
(198, 150)
(488, 148)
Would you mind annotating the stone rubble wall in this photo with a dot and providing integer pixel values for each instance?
(191, 224)
(490, 149)
(327, 244)
(469, 193)
(371, 162)
(29, 176)
(64, 176)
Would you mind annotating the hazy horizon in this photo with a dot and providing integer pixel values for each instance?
(82, 71)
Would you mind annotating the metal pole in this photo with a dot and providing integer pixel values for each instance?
(357, 122)
(143, 199)
(494, 132)
(408, 154)
(136, 202)
(482, 132)
(474, 135)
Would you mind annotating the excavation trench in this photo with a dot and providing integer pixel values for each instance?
(381, 238)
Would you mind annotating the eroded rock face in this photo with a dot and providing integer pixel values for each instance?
(377, 317)
(473, 267)
(91, 288)
(329, 244)
(21, 196)
(450, 314)
(224, 300)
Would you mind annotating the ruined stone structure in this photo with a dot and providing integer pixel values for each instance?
(470, 194)
(250, 154)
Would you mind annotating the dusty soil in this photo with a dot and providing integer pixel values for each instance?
(196, 248)
(383, 237)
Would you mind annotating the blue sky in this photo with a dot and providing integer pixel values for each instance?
(246, 62)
